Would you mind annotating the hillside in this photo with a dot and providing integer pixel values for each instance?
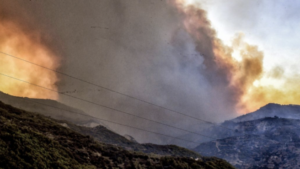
(78, 121)
(30, 140)
(271, 110)
(269, 142)
(103, 135)
(231, 127)
(50, 108)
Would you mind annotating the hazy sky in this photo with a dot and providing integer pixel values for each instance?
(271, 25)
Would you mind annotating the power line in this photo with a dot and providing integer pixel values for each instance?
(114, 109)
(121, 112)
(126, 125)
(114, 122)
(138, 128)
(108, 89)
(111, 90)
(126, 95)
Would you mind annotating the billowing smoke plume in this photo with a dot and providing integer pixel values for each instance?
(165, 53)
(19, 38)
(235, 76)
(139, 48)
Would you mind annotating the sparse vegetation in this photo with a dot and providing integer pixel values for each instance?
(29, 140)
(103, 135)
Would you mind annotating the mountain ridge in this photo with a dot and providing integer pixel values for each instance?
(265, 139)
(271, 110)
(30, 140)
(67, 117)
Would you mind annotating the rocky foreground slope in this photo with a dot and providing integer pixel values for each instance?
(258, 140)
(29, 140)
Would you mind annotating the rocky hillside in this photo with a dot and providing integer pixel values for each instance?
(271, 110)
(268, 142)
(230, 128)
(30, 140)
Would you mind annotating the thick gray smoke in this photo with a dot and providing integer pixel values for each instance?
(139, 48)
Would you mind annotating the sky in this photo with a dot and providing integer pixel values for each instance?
(271, 25)
(210, 59)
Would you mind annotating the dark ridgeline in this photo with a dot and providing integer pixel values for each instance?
(30, 140)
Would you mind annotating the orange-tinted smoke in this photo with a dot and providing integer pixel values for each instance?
(236, 76)
(28, 45)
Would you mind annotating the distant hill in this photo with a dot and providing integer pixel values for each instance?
(271, 110)
(263, 139)
(50, 108)
(30, 140)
